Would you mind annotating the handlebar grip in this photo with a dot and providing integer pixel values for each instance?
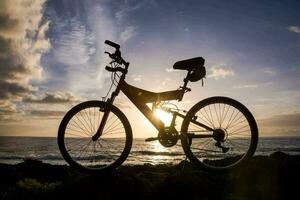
(116, 69)
(110, 43)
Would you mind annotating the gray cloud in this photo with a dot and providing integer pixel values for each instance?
(46, 113)
(295, 29)
(285, 124)
(13, 91)
(8, 112)
(53, 98)
(22, 43)
(291, 120)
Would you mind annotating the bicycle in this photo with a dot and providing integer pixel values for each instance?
(217, 133)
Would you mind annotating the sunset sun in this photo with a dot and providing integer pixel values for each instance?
(165, 117)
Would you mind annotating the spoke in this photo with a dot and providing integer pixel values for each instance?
(222, 116)
(84, 144)
(229, 123)
(78, 146)
(239, 143)
(73, 143)
(206, 120)
(211, 116)
(107, 143)
(228, 107)
(87, 124)
(238, 133)
(100, 145)
(78, 131)
(84, 131)
(88, 119)
(109, 118)
(111, 131)
(217, 115)
(73, 133)
(94, 121)
(238, 129)
(210, 121)
(108, 128)
(237, 123)
(230, 118)
(85, 150)
(235, 146)
(82, 122)
(233, 119)
(76, 125)
(113, 128)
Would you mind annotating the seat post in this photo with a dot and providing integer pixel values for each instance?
(186, 80)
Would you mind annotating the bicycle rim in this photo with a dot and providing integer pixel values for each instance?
(229, 119)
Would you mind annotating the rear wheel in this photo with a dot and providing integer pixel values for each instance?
(232, 139)
(81, 151)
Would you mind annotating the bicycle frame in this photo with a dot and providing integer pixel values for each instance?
(140, 98)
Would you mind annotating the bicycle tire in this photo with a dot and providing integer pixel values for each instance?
(78, 162)
(216, 162)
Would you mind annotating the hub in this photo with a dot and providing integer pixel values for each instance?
(219, 135)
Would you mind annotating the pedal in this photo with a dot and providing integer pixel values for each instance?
(151, 139)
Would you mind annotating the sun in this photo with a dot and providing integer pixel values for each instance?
(165, 117)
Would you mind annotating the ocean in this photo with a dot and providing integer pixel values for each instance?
(15, 149)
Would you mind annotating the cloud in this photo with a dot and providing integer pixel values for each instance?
(284, 120)
(170, 70)
(74, 43)
(137, 78)
(46, 113)
(269, 71)
(294, 29)
(54, 98)
(253, 86)
(218, 72)
(284, 124)
(22, 44)
(9, 112)
(129, 32)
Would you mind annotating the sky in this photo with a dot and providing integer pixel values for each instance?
(52, 57)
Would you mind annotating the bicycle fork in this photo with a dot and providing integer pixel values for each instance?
(106, 110)
(102, 124)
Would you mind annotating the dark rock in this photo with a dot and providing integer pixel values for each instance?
(263, 177)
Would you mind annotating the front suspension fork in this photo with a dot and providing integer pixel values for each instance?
(106, 110)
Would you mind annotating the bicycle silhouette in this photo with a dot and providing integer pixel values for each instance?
(217, 133)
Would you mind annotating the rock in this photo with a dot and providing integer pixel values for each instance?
(263, 177)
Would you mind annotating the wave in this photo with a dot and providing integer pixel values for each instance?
(156, 153)
(45, 157)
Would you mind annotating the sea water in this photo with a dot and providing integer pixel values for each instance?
(15, 149)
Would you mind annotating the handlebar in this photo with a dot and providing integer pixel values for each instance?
(116, 56)
(116, 69)
(110, 43)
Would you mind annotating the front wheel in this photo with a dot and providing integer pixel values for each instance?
(219, 133)
(79, 149)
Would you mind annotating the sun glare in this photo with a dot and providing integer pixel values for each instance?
(165, 117)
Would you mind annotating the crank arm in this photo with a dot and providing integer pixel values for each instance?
(151, 139)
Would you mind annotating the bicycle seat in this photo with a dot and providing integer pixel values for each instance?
(189, 64)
